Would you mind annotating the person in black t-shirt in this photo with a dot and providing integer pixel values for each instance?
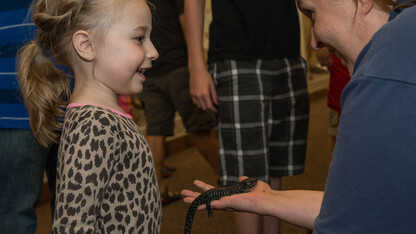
(257, 85)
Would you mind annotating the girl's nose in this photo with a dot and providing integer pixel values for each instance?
(152, 53)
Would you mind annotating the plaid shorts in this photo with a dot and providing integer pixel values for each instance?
(262, 124)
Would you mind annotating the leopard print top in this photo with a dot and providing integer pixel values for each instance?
(106, 182)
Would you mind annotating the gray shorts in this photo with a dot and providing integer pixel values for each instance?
(263, 113)
(163, 95)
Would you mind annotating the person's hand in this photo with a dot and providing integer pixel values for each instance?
(250, 201)
(202, 90)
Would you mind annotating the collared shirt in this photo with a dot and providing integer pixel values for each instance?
(15, 30)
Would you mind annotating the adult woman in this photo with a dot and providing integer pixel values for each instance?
(370, 187)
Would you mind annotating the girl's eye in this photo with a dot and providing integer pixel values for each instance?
(140, 39)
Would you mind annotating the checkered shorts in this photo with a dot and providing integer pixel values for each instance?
(262, 124)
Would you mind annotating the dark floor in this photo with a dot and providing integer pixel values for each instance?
(192, 166)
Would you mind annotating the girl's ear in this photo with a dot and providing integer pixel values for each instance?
(83, 44)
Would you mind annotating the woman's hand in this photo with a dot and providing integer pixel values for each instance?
(250, 201)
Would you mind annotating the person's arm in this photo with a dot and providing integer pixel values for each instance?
(180, 7)
(202, 87)
(299, 207)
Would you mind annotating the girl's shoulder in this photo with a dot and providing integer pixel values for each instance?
(99, 118)
(91, 118)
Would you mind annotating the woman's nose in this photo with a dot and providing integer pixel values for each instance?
(314, 40)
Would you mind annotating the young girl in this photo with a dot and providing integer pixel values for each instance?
(105, 177)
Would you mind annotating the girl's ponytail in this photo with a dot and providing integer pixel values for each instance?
(44, 88)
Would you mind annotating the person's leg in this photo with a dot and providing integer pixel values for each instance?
(248, 223)
(22, 164)
(242, 131)
(207, 145)
(288, 123)
(271, 224)
(51, 174)
(157, 145)
(196, 121)
(159, 113)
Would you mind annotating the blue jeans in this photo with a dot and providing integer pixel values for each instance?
(22, 166)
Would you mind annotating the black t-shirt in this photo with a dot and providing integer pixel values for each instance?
(167, 36)
(247, 29)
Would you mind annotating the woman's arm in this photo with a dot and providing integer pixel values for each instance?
(299, 207)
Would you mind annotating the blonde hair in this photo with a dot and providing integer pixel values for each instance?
(44, 87)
